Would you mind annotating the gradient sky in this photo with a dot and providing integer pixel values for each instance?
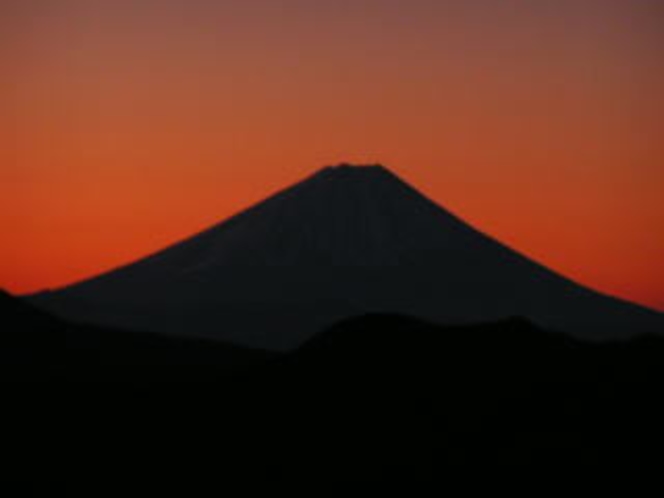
(125, 125)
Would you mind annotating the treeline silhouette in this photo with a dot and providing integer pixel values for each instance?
(375, 399)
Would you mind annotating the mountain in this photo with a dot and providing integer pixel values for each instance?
(36, 346)
(346, 241)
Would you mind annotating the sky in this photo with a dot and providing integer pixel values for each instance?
(128, 125)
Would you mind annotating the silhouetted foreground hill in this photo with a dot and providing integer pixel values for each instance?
(38, 346)
(375, 399)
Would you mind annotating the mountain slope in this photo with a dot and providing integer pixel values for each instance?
(35, 346)
(345, 241)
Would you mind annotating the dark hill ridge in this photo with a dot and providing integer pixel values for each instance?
(379, 398)
(35, 346)
(344, 242)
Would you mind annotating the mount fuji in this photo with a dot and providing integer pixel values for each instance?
(346, 241)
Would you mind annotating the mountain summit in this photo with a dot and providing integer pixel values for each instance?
(345, 241)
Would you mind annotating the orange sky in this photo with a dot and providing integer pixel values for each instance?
(125, 125)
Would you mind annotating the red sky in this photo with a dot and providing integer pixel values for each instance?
(127, 125)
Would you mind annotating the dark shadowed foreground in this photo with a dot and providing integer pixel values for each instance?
(379, 400)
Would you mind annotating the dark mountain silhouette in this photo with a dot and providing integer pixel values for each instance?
(344, 242)
(379, 399)
(35, 345)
